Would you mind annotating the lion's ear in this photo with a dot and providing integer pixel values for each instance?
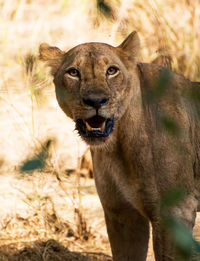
(52, 55)
(131, 45)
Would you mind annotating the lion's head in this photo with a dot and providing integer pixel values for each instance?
(94, 84)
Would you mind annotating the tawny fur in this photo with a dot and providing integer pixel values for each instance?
(141, 159)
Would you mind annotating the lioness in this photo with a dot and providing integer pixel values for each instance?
(112, 99)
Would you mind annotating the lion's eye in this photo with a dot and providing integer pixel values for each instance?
(112, 70)
(73, 72)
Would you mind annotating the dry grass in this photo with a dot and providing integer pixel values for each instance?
(50, 250)
(46, 207)
(43, 205)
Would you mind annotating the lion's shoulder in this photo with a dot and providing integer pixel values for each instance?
(159, 78)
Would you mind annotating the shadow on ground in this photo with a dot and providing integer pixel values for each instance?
(50, 250)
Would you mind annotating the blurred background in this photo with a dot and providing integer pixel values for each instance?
(45, 191)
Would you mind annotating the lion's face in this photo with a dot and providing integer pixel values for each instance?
(93, 87)
(90, 87)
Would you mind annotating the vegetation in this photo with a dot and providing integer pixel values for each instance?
(38, 201)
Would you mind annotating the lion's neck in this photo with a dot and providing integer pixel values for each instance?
(131, 123)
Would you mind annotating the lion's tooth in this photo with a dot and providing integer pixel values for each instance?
(103, 126)
(88, 126)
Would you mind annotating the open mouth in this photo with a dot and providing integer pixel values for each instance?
(95, 127)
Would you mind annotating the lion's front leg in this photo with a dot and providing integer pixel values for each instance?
(128, 230)
(128, 234)
(165, 247)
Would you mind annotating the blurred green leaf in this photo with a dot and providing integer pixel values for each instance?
(39, 161)
(170, 125)
(173, 197)
(105, 9)
(196, 247)
(186, 245)
(181, 236)
(33, 164)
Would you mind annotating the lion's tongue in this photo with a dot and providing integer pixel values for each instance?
(96, 123)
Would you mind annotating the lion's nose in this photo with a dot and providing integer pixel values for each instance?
(96, 103)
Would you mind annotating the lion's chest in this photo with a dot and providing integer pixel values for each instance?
(116, 178)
